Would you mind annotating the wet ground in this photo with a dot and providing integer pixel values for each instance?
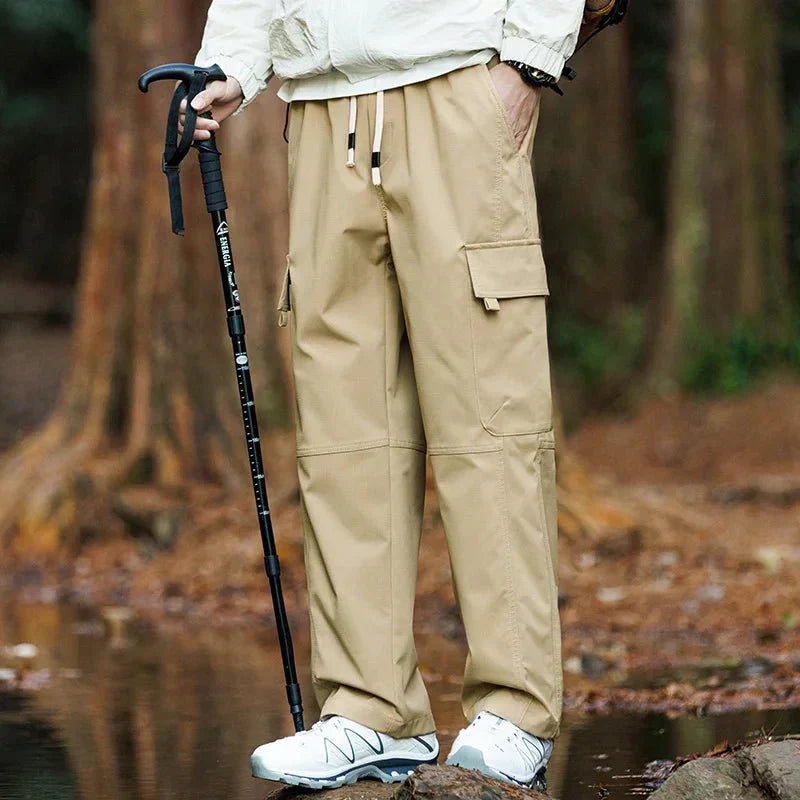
(107, 708)
(679, 551)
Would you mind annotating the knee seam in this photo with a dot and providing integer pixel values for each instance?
(463, 450)
(353, 447)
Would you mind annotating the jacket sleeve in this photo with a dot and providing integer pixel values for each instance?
(237, 38)
(542, 33)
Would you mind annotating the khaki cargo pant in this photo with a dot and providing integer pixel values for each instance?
(418, 314)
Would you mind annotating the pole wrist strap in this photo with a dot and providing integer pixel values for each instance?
(175, 149)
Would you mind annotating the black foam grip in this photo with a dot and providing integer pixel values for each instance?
(211, 171)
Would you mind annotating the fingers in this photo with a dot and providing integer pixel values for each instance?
(202, 103)
(203, 129)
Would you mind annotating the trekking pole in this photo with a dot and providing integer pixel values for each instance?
(192, 81)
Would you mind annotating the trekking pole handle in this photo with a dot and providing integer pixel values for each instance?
(179, 72)
(211, 172)
(192, 79)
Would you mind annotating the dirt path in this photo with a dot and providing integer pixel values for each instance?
(711, 577)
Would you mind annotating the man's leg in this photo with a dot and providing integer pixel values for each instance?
(361, 449)
(464, 232)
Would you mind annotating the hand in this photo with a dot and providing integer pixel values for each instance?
(519, 99)
(222, 98)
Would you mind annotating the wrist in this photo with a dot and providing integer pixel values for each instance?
(533, 76)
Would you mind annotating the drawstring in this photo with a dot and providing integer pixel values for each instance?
(376, 144)
(351, 133)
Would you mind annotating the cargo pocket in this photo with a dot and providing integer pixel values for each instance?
(284, 298)
(508, 324)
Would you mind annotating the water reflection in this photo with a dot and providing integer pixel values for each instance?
(125, 714)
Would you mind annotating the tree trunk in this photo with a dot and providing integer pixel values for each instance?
(726, 255)
(594, 236)
(150, 396)
(586, 183)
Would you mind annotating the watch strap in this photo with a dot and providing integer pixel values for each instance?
(534, 76)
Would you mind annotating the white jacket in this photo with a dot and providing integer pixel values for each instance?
(361, 39)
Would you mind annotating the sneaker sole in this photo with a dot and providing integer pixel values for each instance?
(471, 758)
(389, 771)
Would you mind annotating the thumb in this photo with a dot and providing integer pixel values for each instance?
(204, 99)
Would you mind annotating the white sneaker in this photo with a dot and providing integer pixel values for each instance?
(337, 751)
(499, 749)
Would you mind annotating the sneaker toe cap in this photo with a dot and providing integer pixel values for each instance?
(269, 758)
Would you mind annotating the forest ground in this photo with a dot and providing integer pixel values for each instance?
(678, 574)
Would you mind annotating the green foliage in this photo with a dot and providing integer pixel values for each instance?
(49, 18)
(45, 94)
(51, 44)
(597, 356)
(726, 365)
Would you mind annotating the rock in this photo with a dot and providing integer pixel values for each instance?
(611, 594)
(777, 765)
(363, 790)
(118, 620)
(780, 490)
(593, 666)
(707, 779)
(151, 514)
(620, 545)
(454, 783)
(763, 771)
(24, 650)
(427, 783)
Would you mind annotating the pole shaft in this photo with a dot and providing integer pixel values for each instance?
(215, 200)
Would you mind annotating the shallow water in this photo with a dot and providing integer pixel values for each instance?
(118, 712)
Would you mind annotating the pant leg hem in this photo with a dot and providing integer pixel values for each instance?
(366, 713)
(528, 714)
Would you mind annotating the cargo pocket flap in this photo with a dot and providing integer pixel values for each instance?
(506, 269)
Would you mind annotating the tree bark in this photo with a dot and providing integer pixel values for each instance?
(586, 183)
(726, 253)
(150, 396)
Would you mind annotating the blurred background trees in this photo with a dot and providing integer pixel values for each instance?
(669, 195)
(146, 400)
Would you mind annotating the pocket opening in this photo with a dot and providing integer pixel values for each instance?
(285, 298)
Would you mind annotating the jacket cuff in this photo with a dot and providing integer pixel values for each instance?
(533, 54)
(251, 84)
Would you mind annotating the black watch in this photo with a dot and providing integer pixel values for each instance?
(535, 77)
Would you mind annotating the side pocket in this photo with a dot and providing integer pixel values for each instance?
(294, 125)
(508, 324)
(524, 149)
(284, 298)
